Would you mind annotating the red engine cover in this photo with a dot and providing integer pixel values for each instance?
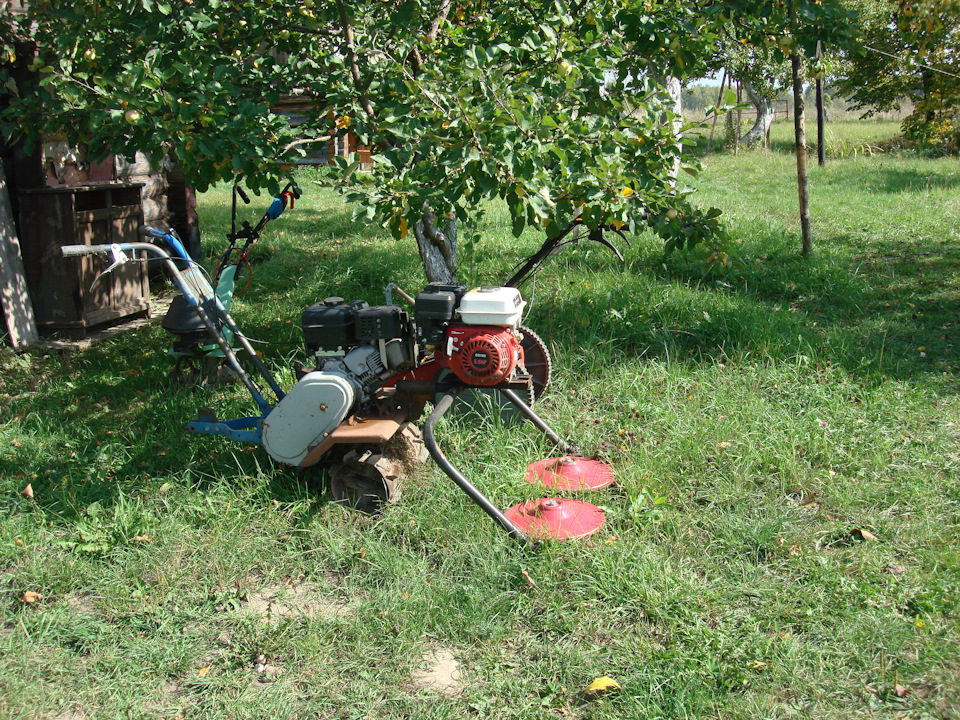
(482, 355)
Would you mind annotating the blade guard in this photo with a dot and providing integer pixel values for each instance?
(307, 414)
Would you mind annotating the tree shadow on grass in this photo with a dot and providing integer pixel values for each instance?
(119, 436)
(875, 315)
(887, 178)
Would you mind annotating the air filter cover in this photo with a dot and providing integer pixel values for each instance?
(557, 518)
(500, 306)
(570, 473)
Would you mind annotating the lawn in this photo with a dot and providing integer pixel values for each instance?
(782, 540)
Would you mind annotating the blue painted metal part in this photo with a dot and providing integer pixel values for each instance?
(247, 429)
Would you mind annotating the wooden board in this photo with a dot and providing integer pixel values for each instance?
(17, 309)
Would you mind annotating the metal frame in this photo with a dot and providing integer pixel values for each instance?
(201, 296)
(429, 439)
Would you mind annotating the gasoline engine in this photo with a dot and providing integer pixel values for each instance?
(375, 365)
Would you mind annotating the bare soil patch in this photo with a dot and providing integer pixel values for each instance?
(306, 600)
(439, 672)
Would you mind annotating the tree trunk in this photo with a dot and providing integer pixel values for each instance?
(821, 114)
(800, 134)
(676, 95)
(765, 115)
(438, 247)
(672, 85)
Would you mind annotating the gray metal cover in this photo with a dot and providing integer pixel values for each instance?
(314, 407)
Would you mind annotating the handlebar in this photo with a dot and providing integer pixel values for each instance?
(290, 193)
(152, 232)
(80, 250)
(169, 237)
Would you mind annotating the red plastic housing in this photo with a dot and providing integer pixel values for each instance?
(482, 355)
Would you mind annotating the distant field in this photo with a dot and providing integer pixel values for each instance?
(846, 135)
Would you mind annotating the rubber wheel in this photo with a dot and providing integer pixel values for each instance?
(365, 481)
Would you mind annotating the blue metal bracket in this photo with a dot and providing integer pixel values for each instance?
(247, 429)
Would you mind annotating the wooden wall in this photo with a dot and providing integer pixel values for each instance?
(166, 198)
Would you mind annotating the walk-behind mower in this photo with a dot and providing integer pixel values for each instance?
(369, 375)
(199, 360)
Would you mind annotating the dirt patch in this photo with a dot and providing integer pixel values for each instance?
(83, 603)
(70, 715)
(305, 600)
(171, 693)
(440, 672)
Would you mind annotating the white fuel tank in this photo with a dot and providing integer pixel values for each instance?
(313, 407)
(500, 306)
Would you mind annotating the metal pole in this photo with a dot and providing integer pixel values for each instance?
(430, 441)
(218, 338)
(528, 413)
(723, 80)
(245, 344)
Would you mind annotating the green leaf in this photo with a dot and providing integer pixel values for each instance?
(518, 223)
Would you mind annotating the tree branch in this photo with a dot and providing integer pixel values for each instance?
(348, 39)
(442, 14)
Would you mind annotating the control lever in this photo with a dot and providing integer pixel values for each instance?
(118, 259)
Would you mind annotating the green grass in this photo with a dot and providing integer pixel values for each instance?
(782, 540)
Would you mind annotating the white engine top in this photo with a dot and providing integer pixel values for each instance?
(501, 306)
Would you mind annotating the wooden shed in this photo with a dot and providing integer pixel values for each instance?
(58, 197)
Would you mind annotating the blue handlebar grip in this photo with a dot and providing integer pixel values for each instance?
(168, 237)
(276, 208)
(151, 232)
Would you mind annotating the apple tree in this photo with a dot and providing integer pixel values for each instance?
(909, 52)
(551, 107)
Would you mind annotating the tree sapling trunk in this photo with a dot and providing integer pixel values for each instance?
(800, 134)
(438, 246)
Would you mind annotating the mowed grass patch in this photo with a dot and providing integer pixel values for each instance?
(781, 540)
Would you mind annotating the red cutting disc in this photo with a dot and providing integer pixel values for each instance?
(558, 518)
(570, 473)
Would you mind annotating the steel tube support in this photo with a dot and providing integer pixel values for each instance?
(245, 344)
(530, 415)
(479, 498)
